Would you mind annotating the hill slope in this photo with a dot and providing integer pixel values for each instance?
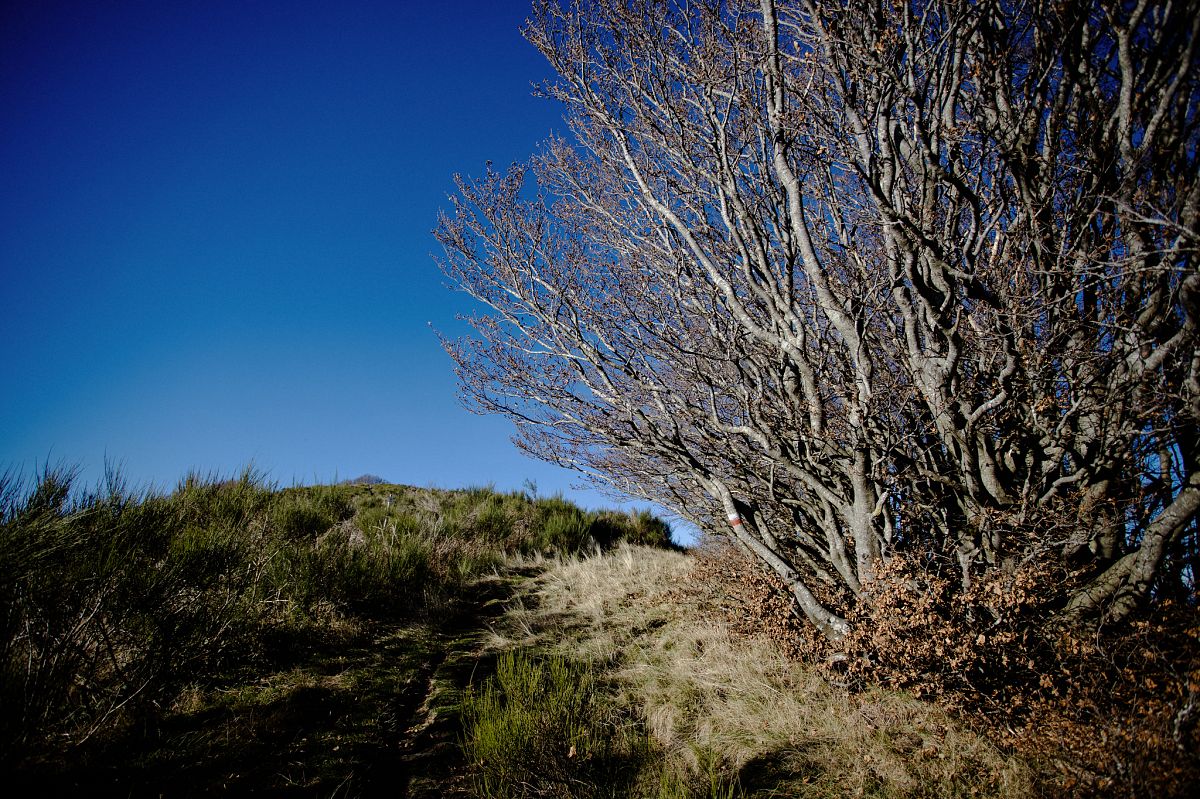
(383, 640)
(230, 636)
(728, 715)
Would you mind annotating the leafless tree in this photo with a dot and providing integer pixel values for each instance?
(861, 278)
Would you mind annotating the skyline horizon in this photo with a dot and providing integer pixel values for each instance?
(219, 247)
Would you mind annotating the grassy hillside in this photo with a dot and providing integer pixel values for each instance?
(724, 715)
(383, 640)
(210, 637)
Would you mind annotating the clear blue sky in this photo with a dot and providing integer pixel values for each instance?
(215, 241)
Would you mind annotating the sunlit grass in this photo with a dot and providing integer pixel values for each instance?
(735, 708)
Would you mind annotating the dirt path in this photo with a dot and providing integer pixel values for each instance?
(430, 758)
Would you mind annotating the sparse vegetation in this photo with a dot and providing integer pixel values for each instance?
(546, 724)
(1102, 713)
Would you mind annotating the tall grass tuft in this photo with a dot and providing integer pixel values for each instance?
(107, 595)
(541, 727)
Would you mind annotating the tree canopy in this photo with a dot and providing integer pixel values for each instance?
(860, 281)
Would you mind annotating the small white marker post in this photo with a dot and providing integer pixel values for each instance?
(735, 520)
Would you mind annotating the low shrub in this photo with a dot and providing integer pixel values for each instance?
(377, 569)
(1105, 702)
(491, 519)
(210, 500)
(563, 530)
(109, 598)
(305, 513)
(608, 528)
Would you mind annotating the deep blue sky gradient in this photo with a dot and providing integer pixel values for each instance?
(215, 246)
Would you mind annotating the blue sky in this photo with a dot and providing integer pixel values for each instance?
(216, 248)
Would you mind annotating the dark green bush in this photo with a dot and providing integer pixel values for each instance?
(210, 500)
(636, 527)
(297, 521)
(109, 597)
(305, 513)
(373, 570)
(563, 531)
(203, 556)
(492, 521)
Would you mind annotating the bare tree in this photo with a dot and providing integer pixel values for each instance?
(862, 278)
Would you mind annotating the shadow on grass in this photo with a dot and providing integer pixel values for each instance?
(370, 714)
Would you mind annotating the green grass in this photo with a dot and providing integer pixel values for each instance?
(548, 725)
(340, 640)
(113, 601)
(541, 727)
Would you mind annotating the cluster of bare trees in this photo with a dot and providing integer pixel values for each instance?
(850, 279)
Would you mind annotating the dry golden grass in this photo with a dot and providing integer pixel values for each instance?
(704, 692)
